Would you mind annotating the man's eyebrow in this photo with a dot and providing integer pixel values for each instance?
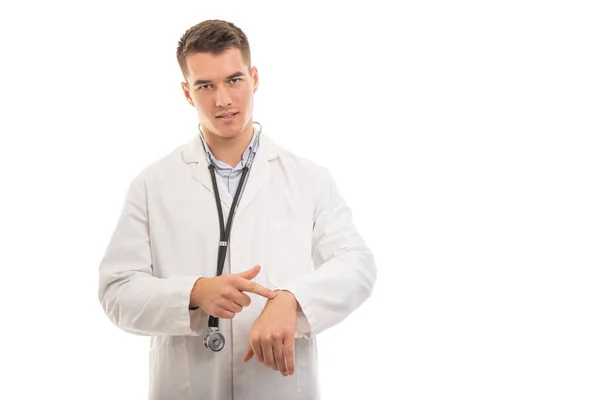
(235, 75)
(203, 82)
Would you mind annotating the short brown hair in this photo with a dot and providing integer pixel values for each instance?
(211, 36)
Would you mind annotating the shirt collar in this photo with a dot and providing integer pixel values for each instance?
(252, 148)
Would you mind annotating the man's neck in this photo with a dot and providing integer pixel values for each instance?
(229, 150)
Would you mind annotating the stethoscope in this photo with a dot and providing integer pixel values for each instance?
(214, 340)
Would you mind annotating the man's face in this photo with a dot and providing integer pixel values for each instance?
(221, 88)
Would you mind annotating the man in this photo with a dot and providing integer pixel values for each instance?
(233, 308)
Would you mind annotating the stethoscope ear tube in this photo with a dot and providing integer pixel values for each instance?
(214, 340)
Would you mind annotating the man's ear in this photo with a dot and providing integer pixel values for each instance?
(254, 73)
(186, 93)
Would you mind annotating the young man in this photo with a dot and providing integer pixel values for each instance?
(233, 308)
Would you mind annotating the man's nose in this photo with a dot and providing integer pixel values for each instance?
(223, 97)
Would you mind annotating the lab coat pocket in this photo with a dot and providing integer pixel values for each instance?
(169, 368)
(289, 251)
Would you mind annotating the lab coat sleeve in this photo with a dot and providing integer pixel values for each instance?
(344, 267)
(134, 299)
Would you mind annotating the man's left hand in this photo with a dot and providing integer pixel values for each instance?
(273, 334)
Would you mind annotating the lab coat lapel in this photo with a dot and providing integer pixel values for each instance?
(203, 174)
(259, 175)
(194, 153)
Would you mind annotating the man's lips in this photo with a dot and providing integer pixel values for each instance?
(227, 115)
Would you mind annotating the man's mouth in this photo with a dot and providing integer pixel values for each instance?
(228, 116)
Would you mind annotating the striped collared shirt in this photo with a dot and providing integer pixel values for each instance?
(231, 175)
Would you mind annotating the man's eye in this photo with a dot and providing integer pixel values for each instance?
(204, 87)
(234, 80)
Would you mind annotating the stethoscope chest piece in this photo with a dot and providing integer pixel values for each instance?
(214, 340)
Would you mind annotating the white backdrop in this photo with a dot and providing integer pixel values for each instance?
(463, 134)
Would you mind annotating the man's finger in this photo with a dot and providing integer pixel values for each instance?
(288, 351)
(234, 307)
(278, 355)
(252, 287)
(249, 354)
(224, 314)
(251, 273)
(267, 349)
(258, 352)
(240, 298)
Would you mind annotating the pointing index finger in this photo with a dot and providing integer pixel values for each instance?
(253, 287)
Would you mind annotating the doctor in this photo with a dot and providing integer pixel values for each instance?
(233, 306)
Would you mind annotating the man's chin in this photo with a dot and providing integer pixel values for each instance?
(228, 131)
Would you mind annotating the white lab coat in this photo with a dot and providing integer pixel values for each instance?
(291, 221)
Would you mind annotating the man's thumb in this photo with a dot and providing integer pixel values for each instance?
(251, 273)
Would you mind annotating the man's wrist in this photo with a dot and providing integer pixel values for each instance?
(286, 296)
(194, 300)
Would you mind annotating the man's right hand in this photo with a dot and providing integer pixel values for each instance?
(223, 296)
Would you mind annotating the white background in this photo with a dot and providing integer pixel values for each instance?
(463, 134)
